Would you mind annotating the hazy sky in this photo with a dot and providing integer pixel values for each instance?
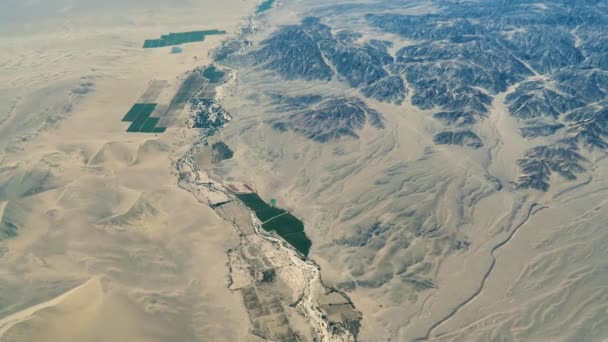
(28, 11)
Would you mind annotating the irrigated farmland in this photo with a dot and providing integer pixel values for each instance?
(179, 38)
(139, 116)
(287, 226)
(262, 210)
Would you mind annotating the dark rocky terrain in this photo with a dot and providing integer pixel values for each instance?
(310, 51)
(470, 52)
(447, 156)
(549, 59)
(325, 119)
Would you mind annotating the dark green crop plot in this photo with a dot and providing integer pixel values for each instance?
(284, 225)
(212, 32)
(149, 43)
(264, 6)
(149, 125)
(262, 210)
(179, 38)
(133, 112)
(136, 125)
(138, 109)
(289, 227)
(300, 241)
(139, 116)
(213, 74)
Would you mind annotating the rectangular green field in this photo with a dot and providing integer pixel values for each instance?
(173, 40)
(211, 32)
(151, 43)
(137, 109)
(143, 115)
(262, 210)
(169, 40)
(178, 38)
(133, 112)
(135, 126)
(149, 125)
(196, 36)
(149, 108)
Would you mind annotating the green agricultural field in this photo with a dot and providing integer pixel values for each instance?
(284, 225)
(213, 74)
(142, 116)
(149, 125)
(291, 229)
(300, 241)
(138, 109)
(262, 210)
(264, 6)
(133, 112)
(136, 125)
(179, 38)
(192, 84)
(139, 116)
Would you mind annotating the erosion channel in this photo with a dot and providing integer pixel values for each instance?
(281, 287)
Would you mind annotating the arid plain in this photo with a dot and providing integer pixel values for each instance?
(415, 207)
(101, 243)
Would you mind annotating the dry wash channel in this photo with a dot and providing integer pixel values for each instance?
(282, 290)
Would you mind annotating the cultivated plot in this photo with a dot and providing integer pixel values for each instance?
(179, 38)
(139, 116)
(287, 226)
(264, 6)
(262, 210)
(213, 74)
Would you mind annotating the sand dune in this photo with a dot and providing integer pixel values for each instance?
(80, 198)
(429, 241)
(8, 322)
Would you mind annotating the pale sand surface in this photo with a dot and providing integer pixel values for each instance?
(549, 274)
(107, 247)
(99, 208)
(535, 265)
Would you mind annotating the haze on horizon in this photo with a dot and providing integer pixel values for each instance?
(371, 170)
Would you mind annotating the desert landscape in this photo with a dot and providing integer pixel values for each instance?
(98, 241)
(373, 170)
